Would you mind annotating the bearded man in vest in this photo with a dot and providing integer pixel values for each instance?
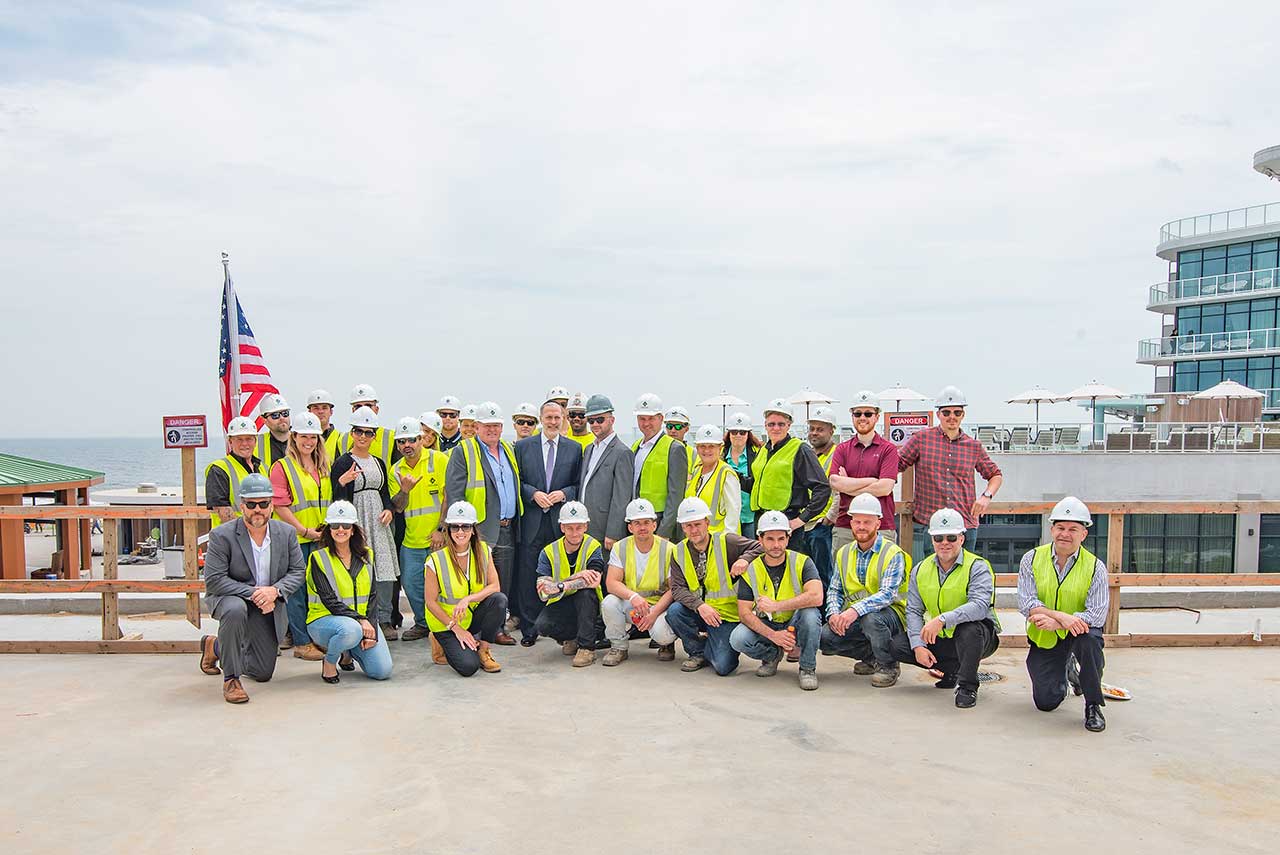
(661, 468)
(867, 598)
(951, 609)
(273, 442)
(1063, 594)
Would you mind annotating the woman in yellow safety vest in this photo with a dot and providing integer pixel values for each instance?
(342, 598)
(740, 449)
(715, 482)
(465, 608)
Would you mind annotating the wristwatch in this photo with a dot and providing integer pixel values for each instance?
(987, 495)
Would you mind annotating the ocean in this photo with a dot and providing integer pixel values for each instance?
(127, 462)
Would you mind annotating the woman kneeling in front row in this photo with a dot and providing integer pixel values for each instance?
(340, 599)
(465, 609)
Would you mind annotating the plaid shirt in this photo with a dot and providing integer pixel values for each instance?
(944, 472)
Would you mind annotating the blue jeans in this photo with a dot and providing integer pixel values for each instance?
(808, 626)
(412, 567)
(749, 529)
(339, 635)
(718, 651)
(296, 606)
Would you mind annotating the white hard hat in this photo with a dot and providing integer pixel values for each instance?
(780, 406)
(468, 412)
(449, 402)
(306, 423)
(574, 512)
(255, 486)
(489, 413)
(1071, 509)
(460, 513)
(431, 420)
(341, 512)
(648, 404)
(577, 401)
(950, 396)
(362, 392)
(557, 393)
(824, 415)
(691, 510)
(272, 403)
(865, 398)
(946, 521)
(408, 428)
(525, 409)
(242, 426)
(708, 435)
(364, 417)
(677, 414)
(640, 509)
(865, 503)
(739, 421)
(319, 396)
(773, 521)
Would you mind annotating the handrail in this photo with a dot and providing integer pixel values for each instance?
(1220, 285)
(1208, 344)
(1220, 221)
(1128, 438)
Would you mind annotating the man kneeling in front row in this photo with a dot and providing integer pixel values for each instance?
(638, 585)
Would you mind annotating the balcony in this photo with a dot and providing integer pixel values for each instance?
(1162, 351)
(1181, 234)
(1149, 438)
(1164, 296)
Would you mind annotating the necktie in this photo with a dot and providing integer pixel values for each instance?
(551, 461)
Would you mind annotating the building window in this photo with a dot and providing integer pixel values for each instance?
(1179, 543)
(1269, 544)
(1234, 258)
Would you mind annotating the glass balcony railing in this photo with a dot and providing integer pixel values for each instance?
(1209, 344)
(1221, 221)
(1225, 285)
(1127, 438)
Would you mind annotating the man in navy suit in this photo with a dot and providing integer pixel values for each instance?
(550, 467)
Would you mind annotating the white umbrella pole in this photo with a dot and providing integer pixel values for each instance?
(1037, 417)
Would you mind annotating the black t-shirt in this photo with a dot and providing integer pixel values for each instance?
(808, 572)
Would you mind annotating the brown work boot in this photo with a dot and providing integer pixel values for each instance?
(615, 656)
(208, 659)
(233, 692)
(583, 658)
(667, 652)
(389, 632)
(487, 662)
(886, 675)
(437, 652)
(864, 668)
(569, 647)
(309, 652)
(414, 632)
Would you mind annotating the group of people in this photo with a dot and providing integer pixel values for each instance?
(734, 545)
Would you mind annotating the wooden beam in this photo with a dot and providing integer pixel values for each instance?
(106, 512)
(1115, 565)
(110, 566)
(70, 539)
(1168, 580)
(190, 559)
(86, 536)
(120, 646)
(13, 550)
(99, 586)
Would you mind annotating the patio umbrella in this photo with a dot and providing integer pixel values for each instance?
(899, 393)
(724, 401)
(1037, 395)
(1091, 392)
(807, 396)
(1228, 390)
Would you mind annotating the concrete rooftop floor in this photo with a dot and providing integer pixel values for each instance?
(140, 754)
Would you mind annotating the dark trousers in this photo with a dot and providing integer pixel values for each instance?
(1048, 669)
(960, 654)
(816, 543)
(486, 621)
(571, 617)
(525, 603)
(247, 643)
(877, 635)
(504, 561)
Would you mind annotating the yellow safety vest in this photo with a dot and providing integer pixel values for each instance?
(713, 491)
(847, 563)
(476, 491)
(331, 442)
(653, 474)
(561, 569)
(939, 596)
(585, 440)
(1066, 596)
(824, 460)
(235, 473)
(264, 451)
(452, 588)
(717, 588)
(426, 499)
(761, 583)
(651, 582)
(311, 498)
(383, 445)
(353, 592)
(773, 475)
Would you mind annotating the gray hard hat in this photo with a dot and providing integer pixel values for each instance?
(255, 486)
(599, 405)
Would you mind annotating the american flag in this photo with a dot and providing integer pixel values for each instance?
(242, 374)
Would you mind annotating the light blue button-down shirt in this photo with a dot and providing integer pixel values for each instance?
(506, 478)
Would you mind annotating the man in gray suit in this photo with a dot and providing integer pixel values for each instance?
(607, 476)
(252, 565)
(483, 471)
(544, 492)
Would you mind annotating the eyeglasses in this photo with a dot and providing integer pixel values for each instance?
(958, 411)
(260, 506)
(949, 538)
(864, 414)
(363, 432)
(340, 526)
(676, 425)
(525, 422)
(777, 424)
(581, 415)
(460, 526)
(738, 433)
(278, 414)
(408, 441)
(596, 420)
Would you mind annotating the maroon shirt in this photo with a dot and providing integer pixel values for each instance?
(944, 472)
(877, 460)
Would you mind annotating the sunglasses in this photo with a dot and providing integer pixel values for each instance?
(777, 424)
(525, 422)
(577, 415)
(460, 526)
(949, 538)
(340, 526)
(446, 414)
(596, 420)
(864, 414)
(278, 414)
(408, 441)
(738, 433)
(369, 404)
(958, 411)
(260, 506)
(676, 425)
(363, 432)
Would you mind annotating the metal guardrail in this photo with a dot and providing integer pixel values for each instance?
(1224, 285)
(1151, 438)
(1221, 221)
(1237, 343)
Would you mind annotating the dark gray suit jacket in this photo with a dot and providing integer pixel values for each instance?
(677, 484)
(537, 525)
(607, 493)
(455, 488)
(228, 566)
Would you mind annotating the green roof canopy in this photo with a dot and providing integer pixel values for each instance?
(24, 472)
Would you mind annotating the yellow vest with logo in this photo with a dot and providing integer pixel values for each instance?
(653, 473)
(383, 445)
(847, 566)
(1066, 596)
(713, 492)
(561, 569)
(311, 498)
(774, 474)
(476, 491)
(940, 597)
(426, 499)
(235, 473)
(717, 588)
(762, 583)
(453, 588)
(353, 592)
(650, 582)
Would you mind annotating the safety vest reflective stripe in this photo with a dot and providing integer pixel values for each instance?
(824, 460)
(654, 577)
(441, 566)
(353, 591)
(653, 473)
(475, 489)
(297, 488)
(561, 569)
(718, 500)
(717, 587)
(774, 474)
(762, 583)
(234, 472)
(941, 596)
(854, 590)
(1068, 596)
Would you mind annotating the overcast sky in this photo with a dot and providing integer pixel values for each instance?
(486, 199)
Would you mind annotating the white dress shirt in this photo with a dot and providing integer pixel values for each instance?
(597, 452)
(262, 561)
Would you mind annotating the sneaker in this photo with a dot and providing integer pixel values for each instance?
(948, 681)
(414, 633)
(768, 668)
(309, 652)
(570, 647)
(885, 675)
(966, 699)
(583, 657)
(667, 652)
(694, 663)
(389, 632)
(808, 679)
(615, 656)
(864, 668)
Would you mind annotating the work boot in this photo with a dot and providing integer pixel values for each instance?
(437, 652)
(768, 667)
(1094, 721)
(583, 657)
(864, 668)
(414, 633)
(885, 675)
(966, 699)
(667, 652)
(389, 632)
(233, 692)
(208, 659)
(615, 656)
(570, 647)
(808, 679)
(309, 652)
(694, 663)
(288, 640)
(487, 662)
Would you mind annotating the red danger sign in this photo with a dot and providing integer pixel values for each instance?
(185, 432)
(899, 427)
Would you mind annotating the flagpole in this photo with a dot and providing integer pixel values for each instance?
(233, 329)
